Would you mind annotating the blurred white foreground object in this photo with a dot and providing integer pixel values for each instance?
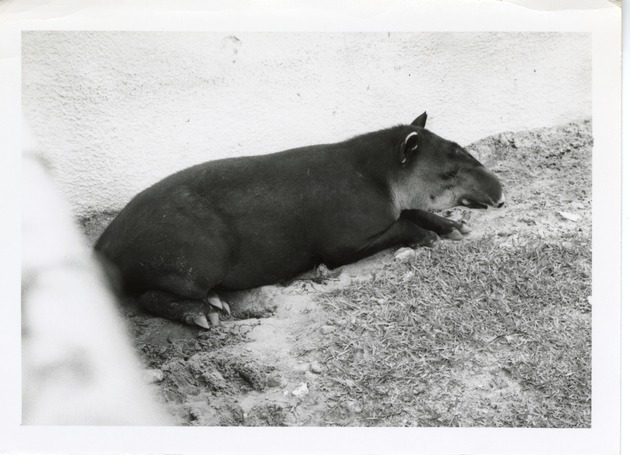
(78, 367)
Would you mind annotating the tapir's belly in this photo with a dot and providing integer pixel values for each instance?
(276, 247)
(259, 264)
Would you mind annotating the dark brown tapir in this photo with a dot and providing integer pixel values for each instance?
(240, 223)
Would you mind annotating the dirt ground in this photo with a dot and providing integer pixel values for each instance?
(263, 366)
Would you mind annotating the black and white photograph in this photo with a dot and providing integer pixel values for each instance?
(339, 229)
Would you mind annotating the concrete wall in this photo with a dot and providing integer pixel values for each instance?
(116, 111)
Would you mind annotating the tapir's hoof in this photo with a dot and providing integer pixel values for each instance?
(198, 319)
(210, 318)
(226, 308)
(214, 319)
(219, 304)
(454, 235)
(458, 232)
(429, 241)
(465, 229)
(433, 239)
(203, 320)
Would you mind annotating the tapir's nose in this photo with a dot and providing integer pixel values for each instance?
(501, 202)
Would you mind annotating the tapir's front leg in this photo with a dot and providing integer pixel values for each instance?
(443, 226)
(401, 232)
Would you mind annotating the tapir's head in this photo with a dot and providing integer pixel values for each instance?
(435, 174)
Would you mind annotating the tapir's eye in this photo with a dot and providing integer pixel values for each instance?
(450, 174)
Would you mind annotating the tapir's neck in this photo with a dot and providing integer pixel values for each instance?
(374, 155)
(406, 197)
(376, 152)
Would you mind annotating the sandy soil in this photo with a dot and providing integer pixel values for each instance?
(261, 367)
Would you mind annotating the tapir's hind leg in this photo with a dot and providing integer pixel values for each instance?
(190, 311)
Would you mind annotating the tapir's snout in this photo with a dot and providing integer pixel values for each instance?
(473, 204)
(501, 202)
(487, 191)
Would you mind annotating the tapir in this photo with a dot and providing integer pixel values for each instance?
(239, 223)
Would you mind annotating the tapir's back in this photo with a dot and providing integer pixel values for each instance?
(244, 221)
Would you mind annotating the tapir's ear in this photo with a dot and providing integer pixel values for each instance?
(420, 121)
(408, 148)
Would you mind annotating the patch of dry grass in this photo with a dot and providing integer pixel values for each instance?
(467, 334)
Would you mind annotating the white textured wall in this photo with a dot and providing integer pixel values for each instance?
(116, 111)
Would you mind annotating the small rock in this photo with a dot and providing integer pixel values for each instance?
(289, 421)
(344, 279)
(316, 367)
(381, 389)
(214, 380)
(340, 322)
(569, 216)
(153, 375)
(322, 270)
(273, 381)
(404, 254)
(326, 329)
(353, 407)
(528, 221)
(381, 301)
(301, 367)
(407, 276)
(506, 139)
(301, 390)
